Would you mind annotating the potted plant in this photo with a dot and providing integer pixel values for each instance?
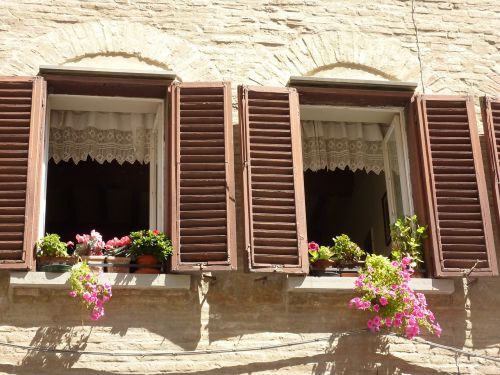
(149, 248)
(385, 292)
(347, 254)
(89, 287)
(52, 254)
(407, 241)
(116, 251)
(320, 257)
(90, 247)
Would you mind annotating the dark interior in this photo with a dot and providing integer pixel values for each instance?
(343, 201)
(110, 198)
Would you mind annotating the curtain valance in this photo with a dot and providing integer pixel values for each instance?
(331, 145)
(102, 136)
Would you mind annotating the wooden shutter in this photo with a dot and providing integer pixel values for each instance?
(203, 212)
(22, 113)
(273, 187)
(491, 121)
(459, 216)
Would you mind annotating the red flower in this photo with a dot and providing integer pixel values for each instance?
(313, 246)
(156, 232)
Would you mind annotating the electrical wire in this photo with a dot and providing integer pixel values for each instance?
(418, 44)
(240, 350)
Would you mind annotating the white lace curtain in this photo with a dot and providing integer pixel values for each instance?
(331, 145)
(102, 136)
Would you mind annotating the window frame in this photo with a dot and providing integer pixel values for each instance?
(157, 153)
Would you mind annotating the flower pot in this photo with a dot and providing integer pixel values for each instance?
(147, 260)
(322, 264)
(118, 264)
(42, 262)
(95, 262)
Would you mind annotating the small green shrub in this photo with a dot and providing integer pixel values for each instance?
(51, 246)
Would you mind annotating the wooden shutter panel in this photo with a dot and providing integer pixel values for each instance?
(491, 121)
(22, 113)
(459, 216)
(203, 213)
(273, 187)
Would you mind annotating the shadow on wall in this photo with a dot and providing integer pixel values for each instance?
(174, 316)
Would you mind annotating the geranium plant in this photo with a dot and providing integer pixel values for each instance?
(317, 252)
(150, 242)
(385, 292)
(118, 246)
(89, 244)
(88, 286)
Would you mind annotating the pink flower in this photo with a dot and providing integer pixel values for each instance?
(388, 322)
(313, 246)
(376, 307)
(70, 244)
(406, 261)
(72, 294)
(437, 329)
(383, 301)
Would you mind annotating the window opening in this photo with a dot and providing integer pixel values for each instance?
(103, 165)
(355, 173)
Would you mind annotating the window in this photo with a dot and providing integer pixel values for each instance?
(443, 162)
(196, 182)
(355, 172)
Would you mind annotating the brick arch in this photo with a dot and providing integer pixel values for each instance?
(111, 38)
(380, 55)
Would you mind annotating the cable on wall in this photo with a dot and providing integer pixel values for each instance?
(418, 44)
(248, 349)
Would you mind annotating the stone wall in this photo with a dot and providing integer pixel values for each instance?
(253, 42)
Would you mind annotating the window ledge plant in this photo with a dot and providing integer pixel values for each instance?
(386, 293)
(149, 249)
(384, 286)
(52, 254)
(90, 289)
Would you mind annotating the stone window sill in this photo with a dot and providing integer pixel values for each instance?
(117, 280)
(346, 284)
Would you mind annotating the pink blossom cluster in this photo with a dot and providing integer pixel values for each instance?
(312, 246)
(394, 304)
(92, 242)
(115, 242)
(93, 293)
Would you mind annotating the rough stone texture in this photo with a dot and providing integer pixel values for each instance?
(253, 42)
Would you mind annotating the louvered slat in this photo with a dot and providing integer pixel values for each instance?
(21, 117)
(460, 221)
(203, 232)
(274, 212)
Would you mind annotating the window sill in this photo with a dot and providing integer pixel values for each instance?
(346, 284)
(117, 280)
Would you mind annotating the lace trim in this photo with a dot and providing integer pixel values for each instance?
(100, 145)
(341, 153)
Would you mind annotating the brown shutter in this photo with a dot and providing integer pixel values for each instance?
(273, 187)
(22, 113)
(491, 121)
(203, 212)
(459, 216)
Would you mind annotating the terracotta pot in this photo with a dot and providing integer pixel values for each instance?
(147, 260)
(420, 274)
(122, 263)
(322, 264)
